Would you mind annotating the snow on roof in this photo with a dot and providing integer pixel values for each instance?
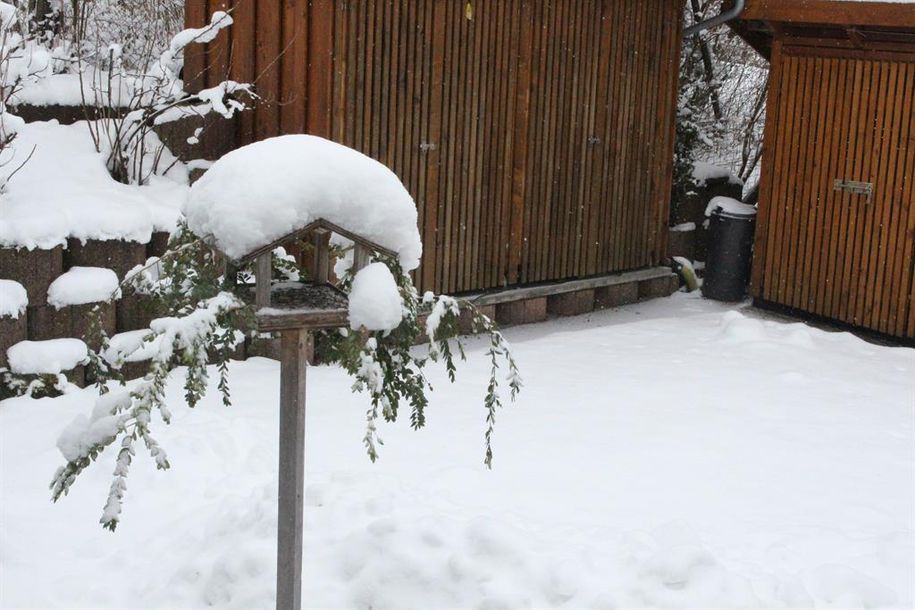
(46, 357)
(64, 190)
(13, 299)
(81, 285)
(264, 191)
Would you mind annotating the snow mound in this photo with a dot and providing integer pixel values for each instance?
(82, 285)
(75, 90)
(261, 192)
(728, 205)
(374, 301)
(13, 299)
(737, 328)
(64, 190)
(46, 357)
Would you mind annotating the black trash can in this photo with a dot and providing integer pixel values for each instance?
(730, 250)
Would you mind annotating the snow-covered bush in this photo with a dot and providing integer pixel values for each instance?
(24, 57)
(122, 60)
(133, 101)
(255, 196)
(203, 322)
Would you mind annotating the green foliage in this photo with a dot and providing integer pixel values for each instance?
(389, 368)
(201, 324)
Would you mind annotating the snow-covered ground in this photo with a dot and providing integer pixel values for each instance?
(667, 454)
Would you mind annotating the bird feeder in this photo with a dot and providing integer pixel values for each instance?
(294, 310)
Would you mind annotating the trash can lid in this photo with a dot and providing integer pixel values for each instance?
(731, 208)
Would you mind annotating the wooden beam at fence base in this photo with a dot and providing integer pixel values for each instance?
(294, 349)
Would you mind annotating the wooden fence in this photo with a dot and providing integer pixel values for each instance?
(822, 247)
(535, 135)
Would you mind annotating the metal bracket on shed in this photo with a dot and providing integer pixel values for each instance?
(854, 187)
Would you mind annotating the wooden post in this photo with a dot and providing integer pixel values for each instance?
(294, 347)
(322, 257)
(263, 276)
(361, 256)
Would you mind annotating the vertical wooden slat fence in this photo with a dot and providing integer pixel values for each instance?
(535, 135)
(846, 256)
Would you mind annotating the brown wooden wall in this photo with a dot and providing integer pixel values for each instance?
(850, 116)
(535, 135)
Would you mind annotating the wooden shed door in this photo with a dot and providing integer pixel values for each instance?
(837, 209)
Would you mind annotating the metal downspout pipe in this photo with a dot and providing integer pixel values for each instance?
(728, 15)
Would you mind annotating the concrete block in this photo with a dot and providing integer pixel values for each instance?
(46, 322)
(134, 311)
(616, 295)
(81, 316)
(34, 269)
(681, 243)
(465, 323)
(658, 287)
(526, 311)
(216, 138)
(118, 255)
(12, 331)
(571, 303)
(158, 244)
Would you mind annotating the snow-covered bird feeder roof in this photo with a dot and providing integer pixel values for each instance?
(260, 195)
(263, 195)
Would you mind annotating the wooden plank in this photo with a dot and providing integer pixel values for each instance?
(900, 299)
(520, 144)
(622, 178)
(294, 67)
(862, 133)
(267, 61)
(506, 129)
(321, 68)
(809, 145)
(532, 174)
(888, 276)
(830, 12)
(873, 250)
(219, 50)
(821, 181)
(882, 272)
(264, 275)
(565, 287)
(792, 199)
(842, 127)
(294, 350)
(768, 177)
(673, 63)
(907, 297)
(433, 134)
(243, 62)
(195, 62)
(451, 69)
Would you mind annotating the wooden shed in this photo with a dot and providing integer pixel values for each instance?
(536, 136)
(836, 228)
